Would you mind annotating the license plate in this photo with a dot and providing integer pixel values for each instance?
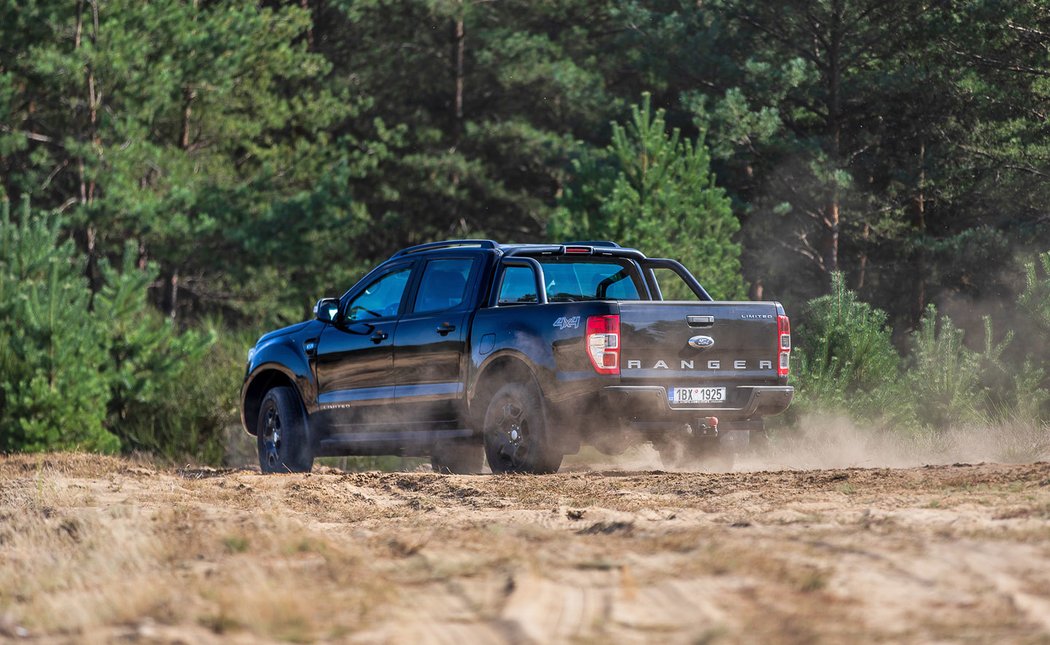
(696, 394)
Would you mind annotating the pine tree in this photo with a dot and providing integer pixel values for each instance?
(177, 125)
(844, 358)
(654, 190)
(149, 362)
(53, 391)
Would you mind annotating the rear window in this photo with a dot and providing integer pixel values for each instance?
(572, 281)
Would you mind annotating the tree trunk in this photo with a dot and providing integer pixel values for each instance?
(305, 4)
(832, 213)
(459, 49)
(756, 290)
(87, 186)
(864, 257)
(188, 95)
(173, 294)
(458, 225)
(920, 225)
(831, 237)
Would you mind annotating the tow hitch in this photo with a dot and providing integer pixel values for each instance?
(705, 427)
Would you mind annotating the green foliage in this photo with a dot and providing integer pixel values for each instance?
(1031, 384)
(52, 350)
(946, 375)
(178, 125)
(845, 362)
(654, 190)
(1030, 397)
(190, 410)
(102, 372)
(153, 371)
(844, 359)
(1035, 298)
(220, 165)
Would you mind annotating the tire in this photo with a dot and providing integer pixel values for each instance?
(516, 432)
(283, 434)
(458, 457)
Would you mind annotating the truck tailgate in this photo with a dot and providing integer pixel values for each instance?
(699, 344)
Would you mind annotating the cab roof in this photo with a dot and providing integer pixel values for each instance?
(589, 247)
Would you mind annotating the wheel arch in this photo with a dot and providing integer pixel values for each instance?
(256, 388)
(501, 369)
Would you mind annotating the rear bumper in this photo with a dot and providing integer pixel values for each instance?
(649, 402)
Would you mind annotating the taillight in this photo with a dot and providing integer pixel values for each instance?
(603, 343)
(783, 345)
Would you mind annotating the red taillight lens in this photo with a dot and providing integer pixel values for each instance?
(603, 343)
(783, 345)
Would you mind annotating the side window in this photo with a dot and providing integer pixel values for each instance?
(381, 299)
(444, 284)
(519, 286)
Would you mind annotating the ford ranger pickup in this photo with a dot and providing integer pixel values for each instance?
(467, 350)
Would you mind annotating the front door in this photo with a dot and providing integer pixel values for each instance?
(355, 357)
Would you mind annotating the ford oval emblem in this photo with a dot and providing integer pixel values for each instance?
(701, 342)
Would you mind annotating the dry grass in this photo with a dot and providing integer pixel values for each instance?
(95, 549)
(93, 543)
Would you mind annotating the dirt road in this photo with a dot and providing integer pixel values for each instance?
(98, 549)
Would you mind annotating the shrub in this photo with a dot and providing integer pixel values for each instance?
(53, 389)
(844, 360)
(161, 381)
(104, 371)
(945, 377)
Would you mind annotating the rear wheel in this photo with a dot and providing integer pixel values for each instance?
(283, 435)
(516, 432)
(458, 457)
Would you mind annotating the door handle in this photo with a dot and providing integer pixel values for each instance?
(446, 328)
(379, 337)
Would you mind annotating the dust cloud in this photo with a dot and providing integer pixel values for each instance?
(827, 441)
(823, 441)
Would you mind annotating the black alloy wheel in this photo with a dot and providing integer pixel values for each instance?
(516, 432)
(282, 435)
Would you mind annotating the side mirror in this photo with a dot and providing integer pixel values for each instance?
(326, 309)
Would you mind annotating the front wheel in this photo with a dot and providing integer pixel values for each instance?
(283, 435)
(516, 432)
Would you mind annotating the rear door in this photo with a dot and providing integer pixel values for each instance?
(430, 348)
(355, 356)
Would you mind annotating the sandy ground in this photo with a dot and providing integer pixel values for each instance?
(97, 549)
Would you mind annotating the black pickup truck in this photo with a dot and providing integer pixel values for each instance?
(520, 353)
